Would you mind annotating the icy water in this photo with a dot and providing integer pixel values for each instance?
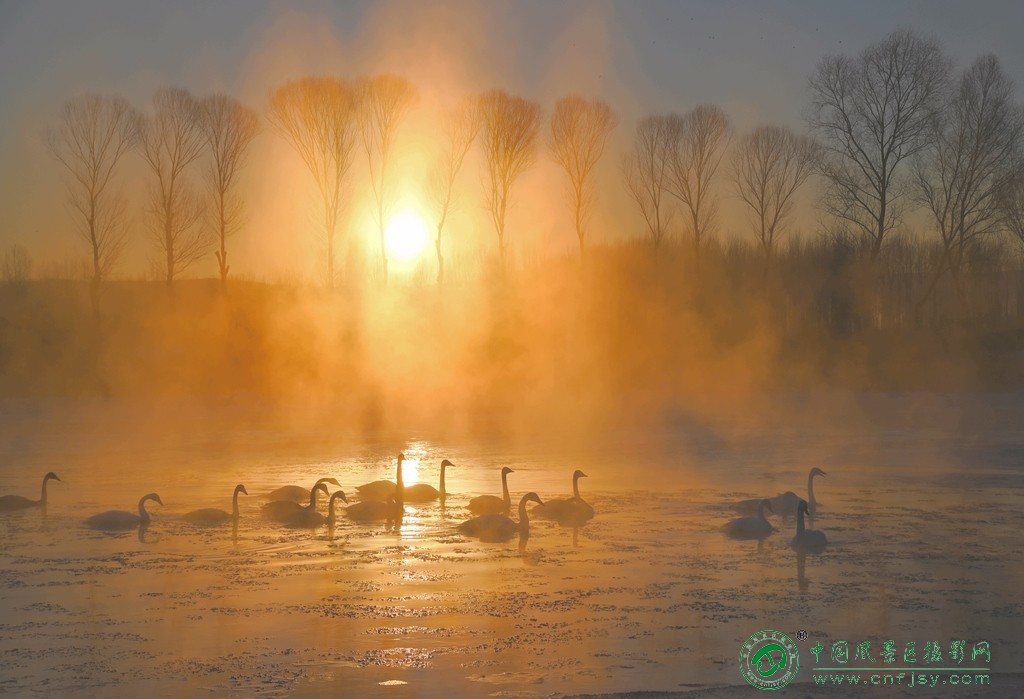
(923, 506)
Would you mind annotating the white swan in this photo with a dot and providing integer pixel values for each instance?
(574, 510)
(785, 504)
(378, 490)
(296, 493)
(751, 527)
(212, 515)
(422, 492)
(10, 503)
(495, 527)
(810, 540)
(115, 520)
(284, 510)
(375, 510)
(491, 504)
(309, 518)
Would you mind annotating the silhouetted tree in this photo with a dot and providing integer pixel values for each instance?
(646, 170)
(698, 142)
(383, 101)
(871, 114)
(93, 134)
(769, 165)
(510, 126)
(317, 116)
(16, 265)
(971, 158)
(579, 132)
(460, 127)
(170, 139)
(229, 128)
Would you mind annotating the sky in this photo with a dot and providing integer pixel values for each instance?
(752, 57)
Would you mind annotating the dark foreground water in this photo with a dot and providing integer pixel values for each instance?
(923, 507)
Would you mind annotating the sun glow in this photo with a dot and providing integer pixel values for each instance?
(405, 236)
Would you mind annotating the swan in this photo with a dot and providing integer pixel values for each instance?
(491, 504)
(283, 510)
(311, 518)
(212, 515)
(114, 520)
(9, 503)
(810, 540)
(332, 516)
(296, 493)
(379, 490)
(375, 510)
(496, 527)
(751, 527)
(785, 504)
(574, 510)
(422, 492)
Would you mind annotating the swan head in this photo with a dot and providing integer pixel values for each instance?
(51, 476)
(802, 507)
(767, 504)
(817, 472)
(154, 497)
(401, 457)
(530, 497)
(241, 489)
(446, 462)
(322, 487)
(579, 474)
(339, 494)
(506, 470)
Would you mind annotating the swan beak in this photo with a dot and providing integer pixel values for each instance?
(343, 498)
(243, 491)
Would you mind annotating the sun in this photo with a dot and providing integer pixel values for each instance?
(405, 235)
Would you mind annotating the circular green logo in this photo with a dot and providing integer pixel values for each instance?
(769, 660)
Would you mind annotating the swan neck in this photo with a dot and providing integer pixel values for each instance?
(576, 486)
(440, 487)
(524, 522)
(312, 497)
(42, 495)
(143, 515)
(504, 490)
(799, 521)
(234, 505)
(810, 488)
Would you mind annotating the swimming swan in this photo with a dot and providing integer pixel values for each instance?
(810, 540)
(212, 515)
(309, 518)
(284, 510)
(10, 503)
(378, 490)
(751, 527)
(422, 492)
(491, 504)
(115, 520)
(332, 516)
(494, 527)
(785, 504)
(375, 510)
(296, 493)
(574, 510)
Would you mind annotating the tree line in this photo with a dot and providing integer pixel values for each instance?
(889, 130)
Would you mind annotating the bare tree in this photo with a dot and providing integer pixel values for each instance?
(510, 127)
(971, 159)
(382, 102)
(872, 113)
(170, 139)
(317, 116)
(768, 167)
(93, 134)
(229, 128)
(698, 142)
(460, 128)
(16, 265)
(579, 132)
(1011, 208)
(646, 171)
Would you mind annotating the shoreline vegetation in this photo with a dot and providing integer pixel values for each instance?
(627, 334)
